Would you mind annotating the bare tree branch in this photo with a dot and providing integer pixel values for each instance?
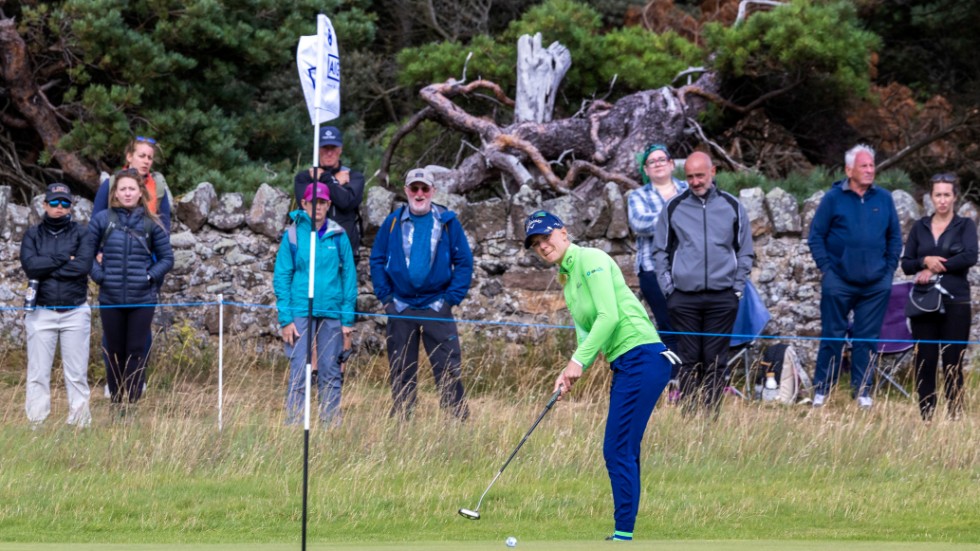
(719, 150)
(942, 133)
(34, 106)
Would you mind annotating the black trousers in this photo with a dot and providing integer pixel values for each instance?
(126, 332)
(954, 325)
(704, 321)
(437, 332)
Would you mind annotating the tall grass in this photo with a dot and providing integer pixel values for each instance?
(167, 474)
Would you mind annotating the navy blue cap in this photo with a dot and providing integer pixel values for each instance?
(331, 135)
(541, 222)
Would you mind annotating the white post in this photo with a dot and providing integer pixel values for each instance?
(221, 355)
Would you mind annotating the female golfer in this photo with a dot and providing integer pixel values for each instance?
(609, 319)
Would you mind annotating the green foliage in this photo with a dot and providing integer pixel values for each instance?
(822, 42)
(214, 82)
(643, 60)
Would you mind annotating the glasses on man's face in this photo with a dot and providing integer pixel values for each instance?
(145, 139)
(660, 161)
(416, 189)
(63, 203)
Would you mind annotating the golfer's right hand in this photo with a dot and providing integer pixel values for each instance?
(290, 334)
(567, 378)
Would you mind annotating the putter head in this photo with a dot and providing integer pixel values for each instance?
(467, 513)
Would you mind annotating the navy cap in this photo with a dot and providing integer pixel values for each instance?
(541, 222)
(331, 135)
(58, 191)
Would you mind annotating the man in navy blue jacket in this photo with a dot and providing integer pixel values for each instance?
(856, 240)
(422, 266)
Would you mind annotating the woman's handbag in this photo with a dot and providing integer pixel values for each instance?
(926, 299)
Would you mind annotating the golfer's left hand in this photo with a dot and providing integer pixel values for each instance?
(567, 378)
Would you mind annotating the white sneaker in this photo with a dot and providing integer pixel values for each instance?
(865, 402)
(819, 400)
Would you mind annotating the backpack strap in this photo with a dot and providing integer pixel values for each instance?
(113, 222)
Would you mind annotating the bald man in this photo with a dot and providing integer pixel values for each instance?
(702, 255)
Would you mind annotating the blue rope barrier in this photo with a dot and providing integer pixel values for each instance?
(495, 323)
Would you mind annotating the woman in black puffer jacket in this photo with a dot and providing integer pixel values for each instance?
(133, 258)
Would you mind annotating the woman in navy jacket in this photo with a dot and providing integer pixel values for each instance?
(942, 246)
(133, 258)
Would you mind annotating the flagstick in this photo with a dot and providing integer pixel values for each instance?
(310, 333)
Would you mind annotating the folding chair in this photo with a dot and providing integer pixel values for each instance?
(895, 347)
(751, 320)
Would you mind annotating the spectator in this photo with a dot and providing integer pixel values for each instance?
(346, 186)
(703, 255)
(942, 247)
(133, 257)
(140, 155)
(421, 266)
(141, 152)
(644, 208)
(609, 319)
(334, 302)
(58, 253)
(855, 239)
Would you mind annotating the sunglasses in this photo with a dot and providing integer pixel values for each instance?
(419, 189)
(63, 203)
(947, 177)
(145, 139)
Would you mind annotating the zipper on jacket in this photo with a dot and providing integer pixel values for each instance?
(704, 219)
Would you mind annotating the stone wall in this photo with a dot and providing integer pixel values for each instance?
(223, 246)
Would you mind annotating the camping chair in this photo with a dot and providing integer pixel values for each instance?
(895, 347)
(752, 318)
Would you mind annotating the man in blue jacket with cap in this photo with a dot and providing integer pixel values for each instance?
(422, 266)
(856, 240)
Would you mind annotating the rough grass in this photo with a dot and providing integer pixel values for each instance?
(168, 475)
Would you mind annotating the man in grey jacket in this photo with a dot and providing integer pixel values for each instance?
(702, 254)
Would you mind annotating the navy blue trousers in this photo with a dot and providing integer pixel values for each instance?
(639, 377)
(837, 299)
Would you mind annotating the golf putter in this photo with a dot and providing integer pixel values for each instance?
(474, 514)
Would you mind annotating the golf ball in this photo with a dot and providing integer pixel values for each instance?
(511, 542)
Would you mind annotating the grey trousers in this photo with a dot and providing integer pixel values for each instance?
(44, 328)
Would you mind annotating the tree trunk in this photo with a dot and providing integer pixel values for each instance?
(35, 107)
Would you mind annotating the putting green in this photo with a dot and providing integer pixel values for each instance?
(652, 545)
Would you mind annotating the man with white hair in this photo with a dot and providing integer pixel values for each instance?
(856, 240)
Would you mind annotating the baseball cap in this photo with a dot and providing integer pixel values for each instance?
(58, 191)
(331, 135)
(321, 192)
(541, 222)
(419, 175)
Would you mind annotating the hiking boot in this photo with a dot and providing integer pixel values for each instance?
(865, 402)
(819, 400)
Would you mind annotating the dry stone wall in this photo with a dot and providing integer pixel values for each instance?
(224, 247)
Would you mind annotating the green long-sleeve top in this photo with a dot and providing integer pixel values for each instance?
(608, 317)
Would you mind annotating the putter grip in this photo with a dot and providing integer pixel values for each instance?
(554, 398)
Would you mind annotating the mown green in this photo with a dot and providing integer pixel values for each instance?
(165, 474)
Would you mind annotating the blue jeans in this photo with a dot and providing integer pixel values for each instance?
(639, 377)
(329, 345)
(837, 299)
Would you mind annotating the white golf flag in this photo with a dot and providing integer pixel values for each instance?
(307, 55)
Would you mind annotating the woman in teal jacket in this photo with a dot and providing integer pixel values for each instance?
(609, 319)
(334, 298)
